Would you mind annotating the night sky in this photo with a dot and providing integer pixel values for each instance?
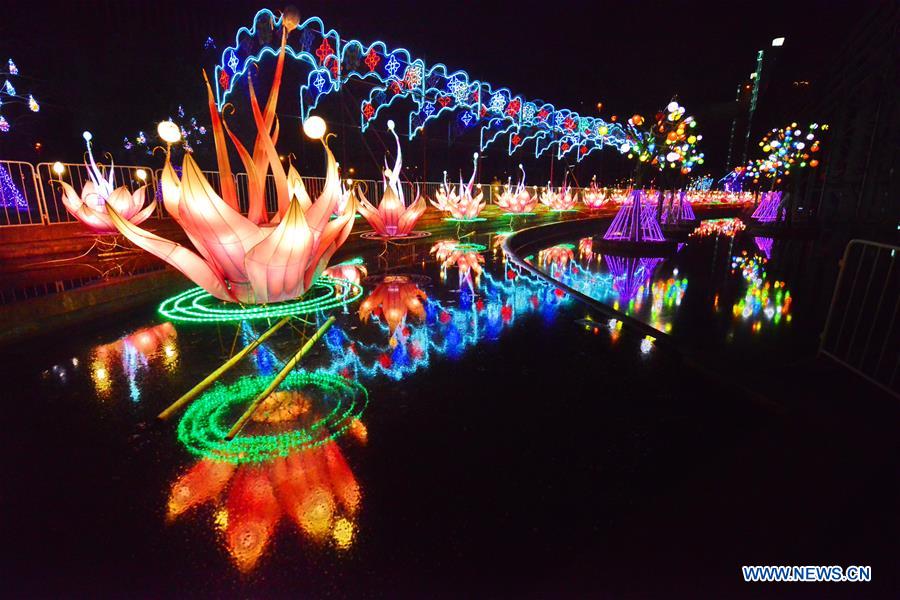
(118, 67)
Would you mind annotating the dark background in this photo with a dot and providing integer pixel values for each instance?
(116, 67)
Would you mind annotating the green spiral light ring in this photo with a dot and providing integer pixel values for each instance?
(206, 422)
(198, 306)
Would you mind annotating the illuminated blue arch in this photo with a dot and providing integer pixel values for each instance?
(446, 92)
(434, 91)
(237, 59)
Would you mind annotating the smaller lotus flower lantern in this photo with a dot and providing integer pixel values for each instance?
(392, 218)
(517, 201)
(559, 200)
(594, 197)
(100, 192)
(467, 205)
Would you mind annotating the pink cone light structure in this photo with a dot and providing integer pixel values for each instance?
(392, 218)
(517, 201)
(258, 258)
(100, 191)
(465, 206)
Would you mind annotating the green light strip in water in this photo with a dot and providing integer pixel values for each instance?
(198, 306)
(204, 425)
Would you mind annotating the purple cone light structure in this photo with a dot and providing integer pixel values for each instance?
(765, 245)
(631, 274)
(680, 211)
(634, 222)
(767, 211)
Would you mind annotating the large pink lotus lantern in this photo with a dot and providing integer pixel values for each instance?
(559, 200)
(517, 201)
(259, 258)
(594, 198)
(100, 191)
(392, 218)
(466, 206)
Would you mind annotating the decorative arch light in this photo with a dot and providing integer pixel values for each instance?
(433, 90)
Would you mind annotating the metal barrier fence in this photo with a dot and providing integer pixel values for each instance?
(76, 175)
(861, 329)
(20, 195)
(30, 195)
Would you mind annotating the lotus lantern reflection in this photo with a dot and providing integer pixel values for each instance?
(392, 218)
(452, 252)
(517, 201)
(352, 271)
(392, 300)
(258, 258)
(100, 192)
(315, 488)
(466, 205)
(556, 257)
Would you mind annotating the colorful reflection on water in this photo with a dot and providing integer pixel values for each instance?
(400, 328)
(314, 488)
(446, 329)
(764, 301)
(406, 322)
(133, 355)
(636, 286)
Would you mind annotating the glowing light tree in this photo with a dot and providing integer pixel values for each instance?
(10, 195)
(786, 150)
(9, 95)
(392, 218)
(260, 258)
(192, 134)
(668, 143)
(90, 207)
(517, 201)
(465, 206)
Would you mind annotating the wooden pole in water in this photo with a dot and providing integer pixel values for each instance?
(218, 372)
(288, 367)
